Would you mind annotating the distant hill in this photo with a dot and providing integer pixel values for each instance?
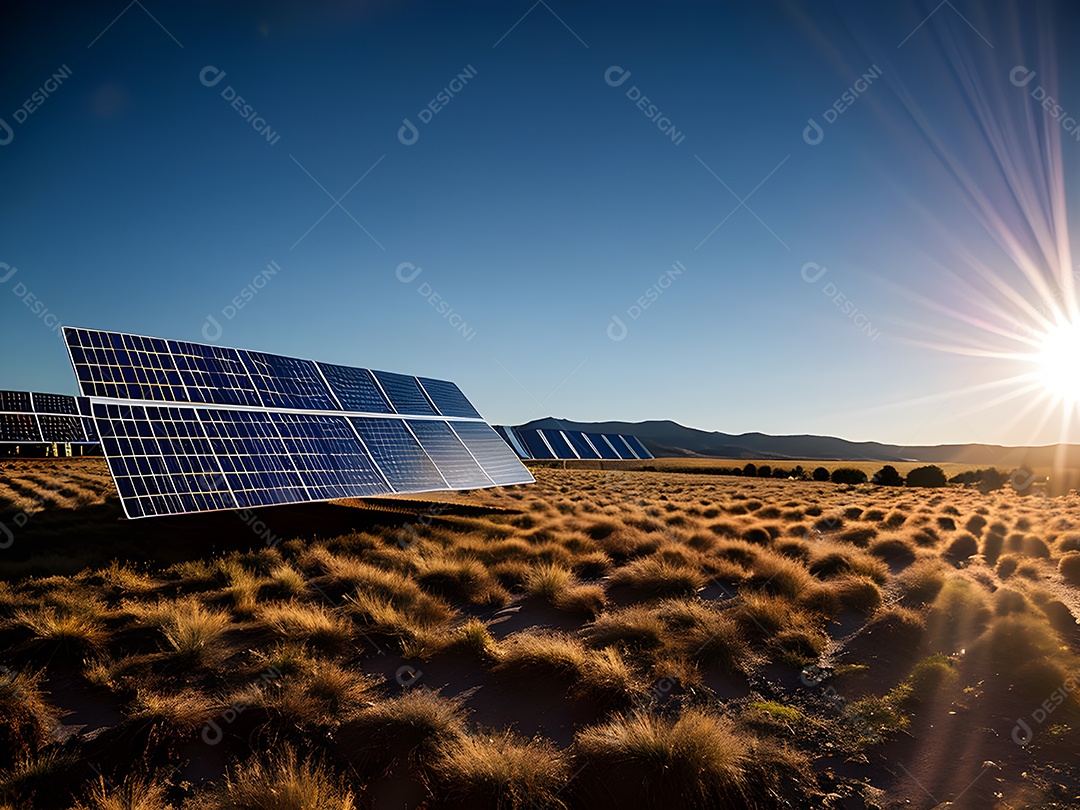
(665, 438)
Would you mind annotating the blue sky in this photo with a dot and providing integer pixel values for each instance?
(540, 202)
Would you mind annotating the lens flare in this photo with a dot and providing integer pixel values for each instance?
(1058, 361)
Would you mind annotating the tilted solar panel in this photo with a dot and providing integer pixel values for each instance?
(559, 444)
(620, 446)
(207, 428)
(510, 436)
(602, 445)
(536, 444)
(19, 427)
(15, 402)
(53, 403)
(37, 418)
(63, 429)
(636, 445)
(405, 393)
(581, 445)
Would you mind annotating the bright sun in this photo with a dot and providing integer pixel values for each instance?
(1059, 361)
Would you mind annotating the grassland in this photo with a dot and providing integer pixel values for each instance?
(602, 639)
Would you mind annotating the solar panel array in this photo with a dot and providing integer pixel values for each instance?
(29, 417)
(187, 427)
(543, 443)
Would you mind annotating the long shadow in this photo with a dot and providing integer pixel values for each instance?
(65, 541)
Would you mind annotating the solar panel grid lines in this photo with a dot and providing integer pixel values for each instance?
(546, 443)
(284, 430)
(31, 417)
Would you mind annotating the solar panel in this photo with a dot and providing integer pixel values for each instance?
(405, 393)
(399, 455)
(602, 445)
(457, 465)
(499, 462)
(510, 436)
(19, 427)
(192, 428)
(536, 444)
(448, 398)
(356, 389)
(30, 417)
(582, 446)
(620, 446)
(635, 444)
(558, 443)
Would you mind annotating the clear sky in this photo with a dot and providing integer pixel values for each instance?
(617, 210)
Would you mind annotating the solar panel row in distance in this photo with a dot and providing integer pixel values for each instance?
(189, 428)
(29, 417)
(571, 444)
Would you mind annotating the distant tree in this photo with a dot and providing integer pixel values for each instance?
(887, 476)
(821, 474)
(848, 475)
(780, 472)
(929, 476)
(992, 479)
(750, 469)
(798, 471)
(764, 471)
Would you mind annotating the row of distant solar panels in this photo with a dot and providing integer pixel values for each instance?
(569, 444)
(189, 427)
(27, 417)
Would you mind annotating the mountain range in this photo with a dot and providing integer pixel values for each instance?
(665, 438)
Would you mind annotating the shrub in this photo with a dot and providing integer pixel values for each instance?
(278, 782)
(921, 583)
(847, 475)
(887, 476)
(1006, 566)
(821, 474)
(961, 548)
(1069, 567)
(894, 551)
(929, 476)
(750, 469)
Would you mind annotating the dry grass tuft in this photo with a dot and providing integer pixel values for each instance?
(134, 793)
(656, 577)
(278, 781)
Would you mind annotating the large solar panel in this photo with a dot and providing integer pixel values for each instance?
(582, 446)
(188, 428)
(635, 444)
(536, 444)
(510, 436)
(35, 418)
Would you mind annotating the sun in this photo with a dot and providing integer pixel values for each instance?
(1058, 360)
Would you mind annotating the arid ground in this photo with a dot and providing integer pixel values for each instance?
(601, 639)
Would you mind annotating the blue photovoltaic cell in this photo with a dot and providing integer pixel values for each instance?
(602, 447)
(399, 455)
(509, 435)
(535, 444)
(453, 459)
(331, 462)
(495, 456)
(253, 457)
(18, 427)
(109, 364)
(61, 429)
(160, 460)
(580, 444)
(637, 446)
(54, 403)
(288, 382)
(620, 446)
(15, 401)
(405, 393)
(558, 444)
(356, 389)
(213, 374)
(448, 398)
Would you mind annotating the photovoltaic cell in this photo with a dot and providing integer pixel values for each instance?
(453, 459)
(53, 403)
(213, 374)
(509, 435)
(406, 465)
(288, 382)
(559, 444)
(63, 429)
(603, 447)
(405, 393)
(15, 401)
(19, 427)
(120, 366)
(161, 461)
(448, 398)
(331, 462)
(356, 389)
(499, 462)
(620, 446)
